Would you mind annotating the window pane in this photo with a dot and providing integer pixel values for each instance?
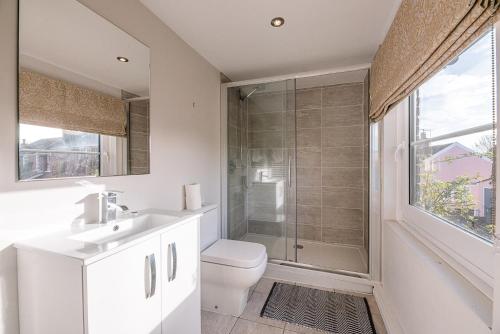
(451, 176)
(459, 96)
(51, 153)
(452, 180)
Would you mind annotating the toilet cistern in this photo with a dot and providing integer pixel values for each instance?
(108, 209)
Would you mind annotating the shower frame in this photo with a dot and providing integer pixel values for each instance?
(374, 250)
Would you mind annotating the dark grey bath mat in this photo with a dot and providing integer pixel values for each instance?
(327, 311)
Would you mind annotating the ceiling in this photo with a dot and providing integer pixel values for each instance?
(66, 40)
(237, 38)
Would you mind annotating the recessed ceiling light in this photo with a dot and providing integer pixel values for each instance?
(122, 59)
(277, 22)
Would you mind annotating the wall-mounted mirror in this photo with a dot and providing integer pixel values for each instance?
(83, 94)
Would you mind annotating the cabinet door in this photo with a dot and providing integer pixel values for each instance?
(181, 280)
(123, 291)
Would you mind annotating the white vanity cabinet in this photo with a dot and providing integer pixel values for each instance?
(181, 280)
(151, 287)
(122, 293)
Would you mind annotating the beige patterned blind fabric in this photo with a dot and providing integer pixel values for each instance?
(424, 36)
(50, 102)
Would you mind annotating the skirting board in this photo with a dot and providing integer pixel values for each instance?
(318, 278)
(391, 323)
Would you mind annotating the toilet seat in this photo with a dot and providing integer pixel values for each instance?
(234, 253)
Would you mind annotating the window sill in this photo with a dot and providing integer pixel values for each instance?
(478, 278)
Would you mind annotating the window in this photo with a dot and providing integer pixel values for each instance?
(452, 141)
(54, 153)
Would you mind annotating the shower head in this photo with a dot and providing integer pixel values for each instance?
(242, 98)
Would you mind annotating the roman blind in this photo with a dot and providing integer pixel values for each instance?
(424, 36)
(55, 103)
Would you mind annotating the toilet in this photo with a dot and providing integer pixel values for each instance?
(228, 269)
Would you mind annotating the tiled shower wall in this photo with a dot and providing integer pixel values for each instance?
(139, 137)
(267, 162)
(332, 160)
(237, 160)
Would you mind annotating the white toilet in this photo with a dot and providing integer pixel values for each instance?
(228, 269)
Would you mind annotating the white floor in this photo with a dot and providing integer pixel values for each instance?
(319, 254)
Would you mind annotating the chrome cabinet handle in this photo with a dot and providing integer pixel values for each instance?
(169, 263)
(174, 255)
(150, 276)
(152, 265)
(147, 277)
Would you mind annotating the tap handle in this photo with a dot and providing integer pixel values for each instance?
(111, 192)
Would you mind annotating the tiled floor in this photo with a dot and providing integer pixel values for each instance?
(250, 321)
(320, 254)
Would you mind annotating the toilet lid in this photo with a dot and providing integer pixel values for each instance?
(235, 253)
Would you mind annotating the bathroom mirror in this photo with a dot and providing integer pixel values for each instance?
(83, 102)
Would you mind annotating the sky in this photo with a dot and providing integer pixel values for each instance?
(460, 96)
(32, 133)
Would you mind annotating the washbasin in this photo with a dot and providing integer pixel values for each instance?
(124, 228)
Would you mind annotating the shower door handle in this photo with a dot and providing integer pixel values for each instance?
(289, 171)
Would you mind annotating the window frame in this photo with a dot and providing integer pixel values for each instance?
(470, 255)
(49, 151)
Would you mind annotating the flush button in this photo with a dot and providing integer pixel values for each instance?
(116, 228)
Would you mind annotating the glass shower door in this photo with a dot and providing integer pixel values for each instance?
(291, 192)
(261, 168)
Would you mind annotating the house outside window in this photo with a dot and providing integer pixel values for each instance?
(452, 142)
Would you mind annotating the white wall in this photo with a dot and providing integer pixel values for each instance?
(184, 141)
(424, 294)
(419, 292)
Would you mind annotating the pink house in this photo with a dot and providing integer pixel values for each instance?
(457, 160)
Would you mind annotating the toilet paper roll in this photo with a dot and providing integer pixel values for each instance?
(193, 196)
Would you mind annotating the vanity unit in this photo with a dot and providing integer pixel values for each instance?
(138, 275)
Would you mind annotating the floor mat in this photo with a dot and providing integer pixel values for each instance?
(323, 310)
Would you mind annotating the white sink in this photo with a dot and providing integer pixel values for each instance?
(124, 228)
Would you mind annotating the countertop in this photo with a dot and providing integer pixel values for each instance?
(63, 242)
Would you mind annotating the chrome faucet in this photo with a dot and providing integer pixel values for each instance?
(108, 209)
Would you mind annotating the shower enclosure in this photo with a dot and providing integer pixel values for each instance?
(297, 169)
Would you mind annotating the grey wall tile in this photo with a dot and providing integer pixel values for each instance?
(308, 118)
(342, 177)
(310, 215)
(342, 136)
(139, 122)
(342, 116)
(308, 177)
(267, 228)
(236, 177)
(366, 178)
(236, 197)
(139, 141)
(342, 156)
(308, 99)
(343, 198)
(139, 159)
(309, 137)
(343, 95)
(233, 138)
(309, 232)
(265, 139)
(238, 232)
(309, 195)
(308, 157)
(264, 103)
(266, 122)
(343, 236)
(342, 218)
